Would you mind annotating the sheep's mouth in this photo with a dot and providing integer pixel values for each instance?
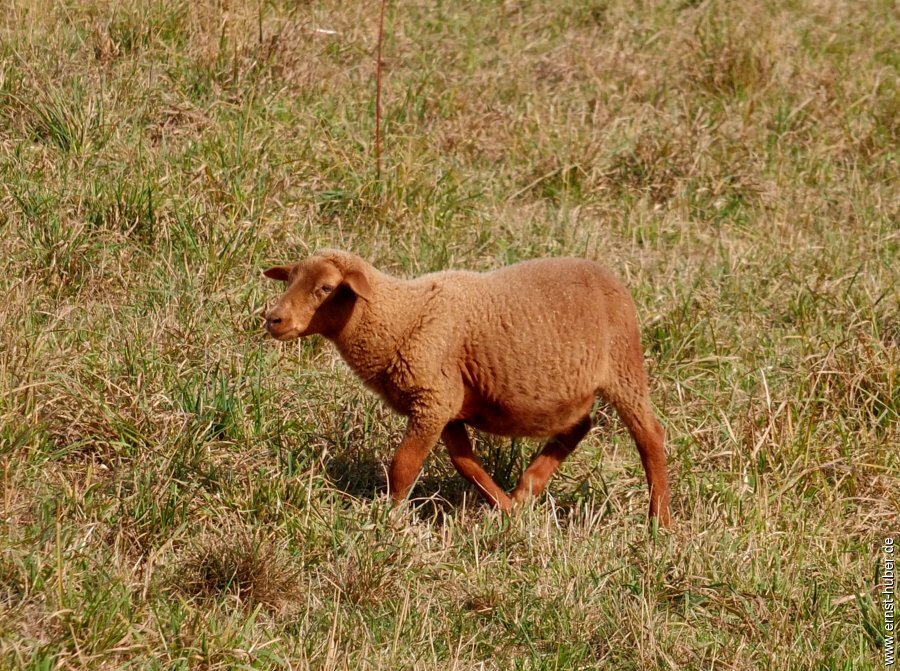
(287, 334)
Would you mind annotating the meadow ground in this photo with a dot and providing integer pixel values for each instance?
(179, 491)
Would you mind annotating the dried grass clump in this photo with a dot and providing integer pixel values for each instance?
(254, 567)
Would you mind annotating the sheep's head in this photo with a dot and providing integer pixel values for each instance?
(320, 297)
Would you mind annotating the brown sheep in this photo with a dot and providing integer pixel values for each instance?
(520, 351)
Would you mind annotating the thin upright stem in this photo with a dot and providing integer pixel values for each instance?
(378, 93)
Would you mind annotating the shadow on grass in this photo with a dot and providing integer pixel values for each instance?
(359, 474)
(439, 490)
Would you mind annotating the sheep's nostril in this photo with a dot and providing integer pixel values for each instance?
(270, 321)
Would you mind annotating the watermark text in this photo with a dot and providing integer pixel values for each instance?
(888, 599)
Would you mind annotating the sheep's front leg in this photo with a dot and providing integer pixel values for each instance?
(420, 437)
(456, 438)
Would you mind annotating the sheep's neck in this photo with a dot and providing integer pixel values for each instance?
(372, 336)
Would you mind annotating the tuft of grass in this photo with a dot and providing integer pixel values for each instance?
(253, 567)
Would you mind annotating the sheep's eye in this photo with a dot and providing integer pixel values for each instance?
(327, 288)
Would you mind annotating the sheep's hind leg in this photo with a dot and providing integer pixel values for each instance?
(649, 437)
(456, 438)
(545, 462)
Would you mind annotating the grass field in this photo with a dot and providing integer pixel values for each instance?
(179, 491)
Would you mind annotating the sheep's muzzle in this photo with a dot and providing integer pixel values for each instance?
(279, 327)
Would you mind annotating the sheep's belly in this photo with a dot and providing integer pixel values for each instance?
(526, 419)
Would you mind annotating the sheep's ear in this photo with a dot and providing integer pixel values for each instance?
(280, 273)
(359, 284)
